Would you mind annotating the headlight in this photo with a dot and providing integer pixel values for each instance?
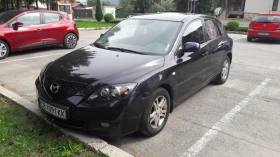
(119, 91)
(43, 70)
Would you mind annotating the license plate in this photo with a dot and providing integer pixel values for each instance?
(58, 112)
(263, 33)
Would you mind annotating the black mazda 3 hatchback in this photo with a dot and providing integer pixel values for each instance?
(132, 77)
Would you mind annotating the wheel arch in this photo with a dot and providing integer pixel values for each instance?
(10, 48)
(170, 91)
(230, 56)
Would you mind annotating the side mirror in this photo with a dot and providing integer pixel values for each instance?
(17, 25)
(101, 35)
(190, 47)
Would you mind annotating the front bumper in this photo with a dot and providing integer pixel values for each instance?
(272, 34)
(123, 117)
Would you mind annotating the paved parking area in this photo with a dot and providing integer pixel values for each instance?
(239, 118)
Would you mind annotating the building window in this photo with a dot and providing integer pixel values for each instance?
(275, 5)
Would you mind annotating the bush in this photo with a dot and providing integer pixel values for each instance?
(232, 25)
(115, 21)
(108, 17)
(226, 27)
(98, 11)
(242, 29)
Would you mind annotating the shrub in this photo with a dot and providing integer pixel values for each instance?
(242, 29)
(226, 27)
(98, 11)
(108, 17)
(115, 21)
(232, 25)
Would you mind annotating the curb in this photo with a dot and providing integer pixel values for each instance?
(236, 32)
(93, 143)
(96, 28)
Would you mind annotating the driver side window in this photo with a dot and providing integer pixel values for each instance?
(30, 19)
(194, 33)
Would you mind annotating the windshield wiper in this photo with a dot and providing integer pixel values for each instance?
(125, 50)
(99, 45)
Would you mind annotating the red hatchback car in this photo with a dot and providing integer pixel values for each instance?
(25, 29)
(265, 25)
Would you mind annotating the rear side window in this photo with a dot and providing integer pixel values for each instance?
(266, 18)
(52, 17)
(211, 29)
(221, 27)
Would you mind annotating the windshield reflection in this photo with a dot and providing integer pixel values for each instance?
(145, 36)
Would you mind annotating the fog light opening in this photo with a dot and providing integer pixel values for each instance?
(105, 125)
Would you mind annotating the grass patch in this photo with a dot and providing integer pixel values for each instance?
(93, 24)
(23, 134)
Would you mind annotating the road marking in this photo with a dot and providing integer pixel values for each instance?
(239, 38)
(210, 134)
(33, 57)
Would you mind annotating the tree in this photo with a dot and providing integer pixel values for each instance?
(91, 3)
(163, 6)
(127, 4)
(142, 5)
(72, 1)
(202, 6)
(98, 11)
(106, 3)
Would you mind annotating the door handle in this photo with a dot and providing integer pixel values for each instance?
(221, 44)
(39, 30)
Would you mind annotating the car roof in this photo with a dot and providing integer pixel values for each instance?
(23, 11)
(166, 16)
(270, 13)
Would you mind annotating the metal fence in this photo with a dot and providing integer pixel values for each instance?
(122, 13)
(83, 13)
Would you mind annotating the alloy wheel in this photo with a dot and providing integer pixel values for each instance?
(225, 69)
(71, 40)
(3, 50)
(158, 112)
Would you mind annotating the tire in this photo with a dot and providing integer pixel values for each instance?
(4, 49)
(70, 41)
(149, 126)
(249, 39)
(222, 77)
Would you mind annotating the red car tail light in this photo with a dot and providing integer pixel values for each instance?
(251, 25)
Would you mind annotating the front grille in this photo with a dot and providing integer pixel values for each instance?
(67, 89)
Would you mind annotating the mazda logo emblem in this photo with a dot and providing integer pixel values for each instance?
(54, 88)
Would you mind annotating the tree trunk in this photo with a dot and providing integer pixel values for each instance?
(12, 4)
(47, 3)
(18, 4)
(36, 4)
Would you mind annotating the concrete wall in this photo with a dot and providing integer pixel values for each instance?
(256, 6)
(253, 7)
(278, 6)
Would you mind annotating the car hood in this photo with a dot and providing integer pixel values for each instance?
(90, 64)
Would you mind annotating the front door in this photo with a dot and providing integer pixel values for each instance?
(30, 34)
(192, 67)
(53, 28)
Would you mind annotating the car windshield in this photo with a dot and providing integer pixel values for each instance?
(153, 37)
(266, 18)
(6, 16)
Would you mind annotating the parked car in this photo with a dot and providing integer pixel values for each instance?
(265, 26)
(133, 76)
(25, 29)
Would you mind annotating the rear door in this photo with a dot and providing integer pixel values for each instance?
(54, 28)
(30, 34)
(216, 46)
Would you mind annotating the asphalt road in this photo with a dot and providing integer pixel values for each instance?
(239, 118)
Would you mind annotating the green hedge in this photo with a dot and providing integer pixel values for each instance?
(242, 29)
(108, 17)
(232, 25)
(115, 21)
